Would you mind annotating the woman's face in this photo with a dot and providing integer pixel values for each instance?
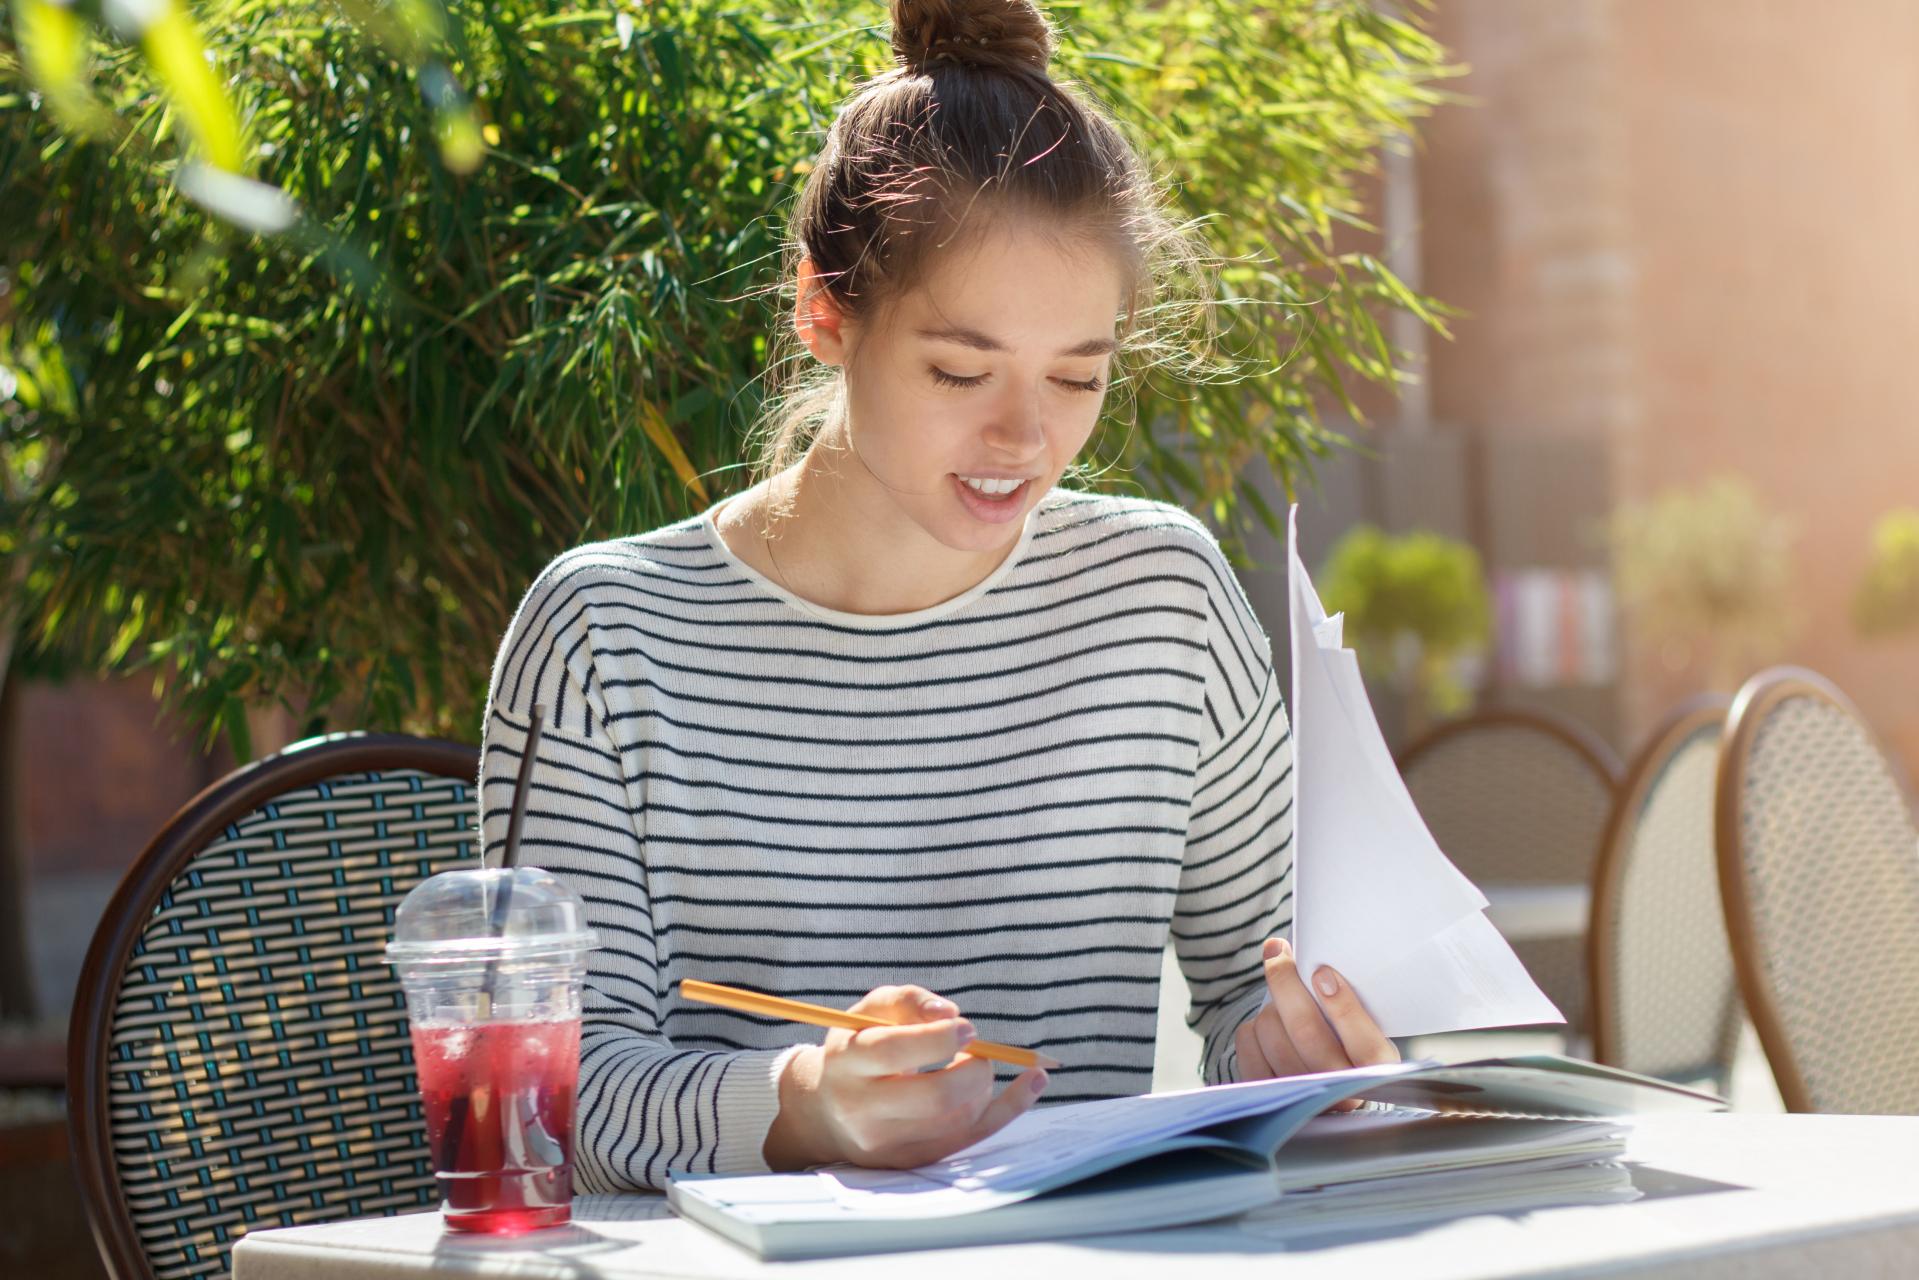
(993, 370)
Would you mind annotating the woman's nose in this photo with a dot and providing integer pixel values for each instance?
(1018, 426)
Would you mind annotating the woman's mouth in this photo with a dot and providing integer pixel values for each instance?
(994, 507)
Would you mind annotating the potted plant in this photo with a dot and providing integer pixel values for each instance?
(1707, 576)
(1887, 601)
(1417, 614)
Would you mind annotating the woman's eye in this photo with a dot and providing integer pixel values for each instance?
(946, 379)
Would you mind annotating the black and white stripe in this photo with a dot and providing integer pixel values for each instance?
(1008, 798)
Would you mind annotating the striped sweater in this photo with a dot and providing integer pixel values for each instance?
(1011, 798)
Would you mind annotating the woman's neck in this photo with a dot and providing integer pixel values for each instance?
(830, 533)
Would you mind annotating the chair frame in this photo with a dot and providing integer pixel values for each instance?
(1609, 872)
(184, 836)
(1756, 699)
(1584, 742)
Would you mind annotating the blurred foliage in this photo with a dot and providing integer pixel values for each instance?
(315, 447)
(1416, 608)
(1888, 598)
(1708, 571)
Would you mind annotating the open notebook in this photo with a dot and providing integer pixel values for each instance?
(1501, 1134)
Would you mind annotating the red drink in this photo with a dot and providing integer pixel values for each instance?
(493, 960)
(499, 1120)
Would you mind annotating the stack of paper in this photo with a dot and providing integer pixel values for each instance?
(1374, 897)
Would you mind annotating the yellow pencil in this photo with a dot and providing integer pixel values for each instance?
(819, 1015)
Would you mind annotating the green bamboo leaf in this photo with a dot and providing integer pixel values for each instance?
(53, 49)
(174, 48)
(230, 714)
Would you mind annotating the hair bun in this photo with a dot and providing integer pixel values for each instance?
(985, 33)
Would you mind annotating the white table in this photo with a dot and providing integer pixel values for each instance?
(1727, 1195)
(1532, 912)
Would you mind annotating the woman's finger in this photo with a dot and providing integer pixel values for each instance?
(1312, 1039)
(885, 1051)
(1018, 1096)
(1275, 1044)
(906, 1003)
(1358, 1034)
(932, 1101)
(1252, 1063)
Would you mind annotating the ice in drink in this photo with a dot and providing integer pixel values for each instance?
(499, 1120)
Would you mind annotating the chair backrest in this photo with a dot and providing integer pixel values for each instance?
(1520, 797)
(1663, 1000)
(1819, 869)
(238, 1056)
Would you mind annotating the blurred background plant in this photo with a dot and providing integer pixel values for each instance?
(1887, 602)
(1707, 575)
(1417, 614)
(316, 358)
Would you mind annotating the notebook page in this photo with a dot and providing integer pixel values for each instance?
(1036, 1148)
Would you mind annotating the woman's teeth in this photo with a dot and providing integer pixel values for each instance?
(992, 488)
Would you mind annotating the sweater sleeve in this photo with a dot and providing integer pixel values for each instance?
(646, 1107)
(1236, 884)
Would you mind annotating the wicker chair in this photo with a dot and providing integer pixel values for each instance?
(1663, 1000)
(238, 1056)
(1819, 869)
(1520, 797)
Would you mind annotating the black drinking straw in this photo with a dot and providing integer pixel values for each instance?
(511, 858)
(496, 918)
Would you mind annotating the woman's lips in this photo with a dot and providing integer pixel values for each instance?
(993, 509)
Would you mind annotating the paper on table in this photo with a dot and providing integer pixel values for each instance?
(1373, 895)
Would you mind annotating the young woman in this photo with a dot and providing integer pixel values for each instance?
(904, 726)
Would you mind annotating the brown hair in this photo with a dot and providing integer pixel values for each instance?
(970, 123)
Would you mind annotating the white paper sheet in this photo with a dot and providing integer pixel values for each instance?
(1373, 895)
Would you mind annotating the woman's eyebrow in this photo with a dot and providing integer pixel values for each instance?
(973, 338)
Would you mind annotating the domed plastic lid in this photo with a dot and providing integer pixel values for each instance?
(489, 913)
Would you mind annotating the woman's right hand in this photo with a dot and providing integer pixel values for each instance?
(862, 1098)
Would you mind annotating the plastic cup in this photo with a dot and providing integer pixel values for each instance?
(492, 962)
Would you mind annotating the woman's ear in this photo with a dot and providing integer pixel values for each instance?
(818, 317)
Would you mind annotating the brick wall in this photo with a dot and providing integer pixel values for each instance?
(1684, 231)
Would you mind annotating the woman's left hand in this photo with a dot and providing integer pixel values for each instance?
(1289, 1036)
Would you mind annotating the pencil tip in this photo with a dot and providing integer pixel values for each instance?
(1051, 1064)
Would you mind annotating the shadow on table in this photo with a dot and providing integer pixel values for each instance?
(572, 1248)
(632, 1207)
(1252, 1233)
(1655, 1183)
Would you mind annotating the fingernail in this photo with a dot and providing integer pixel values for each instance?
(1327, 981)
(939, 1008)
(965, 1032)
(1285, 947)
(1039, 1082)
(1270, 949)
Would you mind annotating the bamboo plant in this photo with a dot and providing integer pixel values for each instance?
(320, 342)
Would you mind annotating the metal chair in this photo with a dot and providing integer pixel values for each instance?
(238, 1056)
(1819, 869)
(1520, 798)
(1663, 1000)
